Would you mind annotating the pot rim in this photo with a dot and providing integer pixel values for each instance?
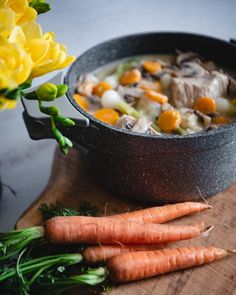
(202, 134)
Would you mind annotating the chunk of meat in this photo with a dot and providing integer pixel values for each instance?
(186, 90)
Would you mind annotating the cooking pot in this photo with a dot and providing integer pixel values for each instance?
(150, 168)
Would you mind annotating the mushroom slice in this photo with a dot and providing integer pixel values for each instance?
(141, 125)
(194, 121)
(125, 122)
(204, 119)
(185, 56)
(191, 69)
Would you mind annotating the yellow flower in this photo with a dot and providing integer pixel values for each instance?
(7, 23)
(14, 12)
(22, 10)
(7, 103)
(46, 54)
(15, 64)
(56, 57)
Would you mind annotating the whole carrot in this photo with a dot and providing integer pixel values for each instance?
(95, 254)
(139, 265)
(163, 214)
(92, 230)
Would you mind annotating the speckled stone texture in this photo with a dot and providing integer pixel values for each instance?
(152, 168)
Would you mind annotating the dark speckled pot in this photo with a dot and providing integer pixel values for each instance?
(153, 168)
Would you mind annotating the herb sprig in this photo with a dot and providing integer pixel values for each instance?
(57, 209)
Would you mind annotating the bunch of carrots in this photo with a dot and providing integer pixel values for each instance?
(133, 244)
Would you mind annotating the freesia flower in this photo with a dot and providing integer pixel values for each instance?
(15, 64)
(14, 12)
(46, 54)
(25, 52)
(7, 104)
(7, 17)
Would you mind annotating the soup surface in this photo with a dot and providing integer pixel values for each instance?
(160, 94)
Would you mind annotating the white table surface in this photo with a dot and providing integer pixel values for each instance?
(25, 164)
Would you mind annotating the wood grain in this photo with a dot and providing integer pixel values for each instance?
(70, 184)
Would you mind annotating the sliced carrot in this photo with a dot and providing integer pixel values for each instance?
(108, 116)
(156, 86)
(157, 97)
(139, 265)
(169, 120)
(145, 87)
(81, 101)
(92, 230)
(95, 254)
(130, 77)
(101, 87)
(205, 105)
(151, 66)
(220, 120)
(162, 214)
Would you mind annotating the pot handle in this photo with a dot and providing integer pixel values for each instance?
(38, 124)
(232, 41)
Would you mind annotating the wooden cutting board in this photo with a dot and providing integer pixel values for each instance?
(70, 184)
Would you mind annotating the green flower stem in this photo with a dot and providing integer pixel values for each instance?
(58, 135)
(64, 120)
(30, 95)
(49, 92)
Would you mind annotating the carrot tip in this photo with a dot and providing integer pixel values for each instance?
(232, 251)
(207, 231)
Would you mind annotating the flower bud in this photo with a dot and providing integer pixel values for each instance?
(47, 92)
(61, 89)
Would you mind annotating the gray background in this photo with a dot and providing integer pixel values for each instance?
(25, 164)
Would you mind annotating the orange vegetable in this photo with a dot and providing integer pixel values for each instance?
(169, 120)
(156, 86)
(205, 105)
(220, 120)
(95, 254)
(163, 214)
(81, 101)
(108, 116)
(139, 265)
(151, 66)
(130, 77)
(101, 87)
(145, 87)
(92, 230)
(157, 97)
